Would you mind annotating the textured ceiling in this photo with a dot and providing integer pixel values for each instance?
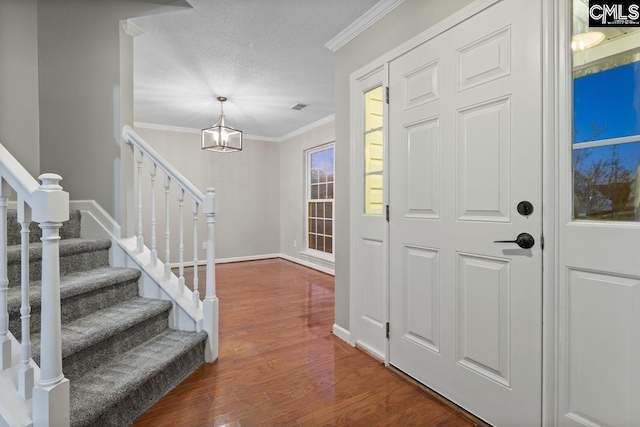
(264, 55)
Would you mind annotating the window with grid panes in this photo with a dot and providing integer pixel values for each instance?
(320, 199)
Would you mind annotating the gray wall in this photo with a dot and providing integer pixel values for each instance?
(292, 182)
(248, 188)
(408, 20)
(80, 105)
(19, 111)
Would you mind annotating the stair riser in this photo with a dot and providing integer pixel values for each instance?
(70, 229)
(78, 306)
(68, 264)
(131, 406)
(77, 364)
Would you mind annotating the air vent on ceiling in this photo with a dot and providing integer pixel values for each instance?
(299, 107)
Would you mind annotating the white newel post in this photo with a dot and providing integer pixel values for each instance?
(51, 394)
(5, 342)
(210, 303)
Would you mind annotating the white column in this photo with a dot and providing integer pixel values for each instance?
(25, 376)
(210, 303)
(51, 395)
(5, 342)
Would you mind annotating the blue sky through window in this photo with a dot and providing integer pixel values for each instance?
(323, 160)
(610, 101)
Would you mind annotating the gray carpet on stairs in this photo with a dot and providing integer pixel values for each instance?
(118, 352)
(117, 393)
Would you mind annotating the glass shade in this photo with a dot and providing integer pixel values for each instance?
(221, 138)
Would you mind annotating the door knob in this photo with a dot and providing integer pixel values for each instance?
(524, 240)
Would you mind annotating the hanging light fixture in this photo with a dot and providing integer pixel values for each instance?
(221, 137)
(584, 41)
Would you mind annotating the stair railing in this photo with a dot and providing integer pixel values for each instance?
(200, 203)
(47, 205)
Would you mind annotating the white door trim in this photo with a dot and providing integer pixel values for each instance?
(556, 28)
(557, 123)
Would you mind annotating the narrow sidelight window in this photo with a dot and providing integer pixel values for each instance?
(373, 152)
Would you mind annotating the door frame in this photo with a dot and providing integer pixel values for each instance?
(556, 127)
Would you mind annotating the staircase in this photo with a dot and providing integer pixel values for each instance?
(117, 349)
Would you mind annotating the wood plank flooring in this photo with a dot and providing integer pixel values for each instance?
(279, 364)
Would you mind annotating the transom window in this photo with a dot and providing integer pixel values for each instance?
(320, 167)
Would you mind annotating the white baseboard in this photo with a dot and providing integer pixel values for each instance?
(246, 258)
(326, 270)
(342, 333)
(228, 260)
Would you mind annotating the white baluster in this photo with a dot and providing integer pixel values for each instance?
(167, 251)
(181, 246)
(5, 342)
(154, 253)
(25, 377)
(140, 237)
(196, 294)
(210, 303)
(51, 395)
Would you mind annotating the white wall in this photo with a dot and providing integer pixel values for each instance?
(292, 190)
(248, 188)
(408, 20)
(19, 112)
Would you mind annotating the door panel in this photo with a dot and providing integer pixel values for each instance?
(465, 148)
(484, 145)
(484, 343)
(603, 317)
(422, 183)
(421, 294)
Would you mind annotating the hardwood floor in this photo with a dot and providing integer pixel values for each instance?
(280, 365)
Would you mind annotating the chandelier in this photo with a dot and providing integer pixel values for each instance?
(221, 137)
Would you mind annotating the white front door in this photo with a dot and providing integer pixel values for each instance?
(465, 150)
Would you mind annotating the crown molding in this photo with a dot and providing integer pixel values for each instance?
(309, 127)
(373, 15)
(130, 28)
(321, 122)
(154, 126)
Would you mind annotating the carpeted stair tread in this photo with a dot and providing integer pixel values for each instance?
(98, 390)
(96, 327)
(75, 255)
(74, 284)
(67, 247)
